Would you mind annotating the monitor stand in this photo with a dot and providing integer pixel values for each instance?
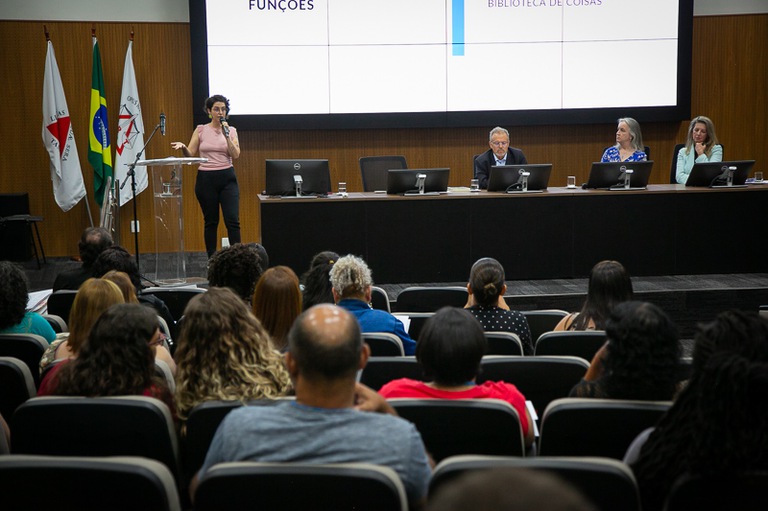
(417, 194)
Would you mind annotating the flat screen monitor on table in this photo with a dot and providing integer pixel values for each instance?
(417, 181)
(509, 178)
(282, 177)
(611, 175)
(715, 174)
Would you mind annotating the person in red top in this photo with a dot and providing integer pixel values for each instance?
(449, 350)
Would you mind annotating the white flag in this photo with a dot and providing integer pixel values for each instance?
(59, 140)
(130, 133)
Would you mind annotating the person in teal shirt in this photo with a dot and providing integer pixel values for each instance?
(701, 146)
(14, 317)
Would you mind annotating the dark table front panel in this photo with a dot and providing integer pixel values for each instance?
(668, 229)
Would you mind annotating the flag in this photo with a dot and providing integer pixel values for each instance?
(99, 150)
(59, 140)
(130, 133)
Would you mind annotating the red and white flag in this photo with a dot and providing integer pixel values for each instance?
(59, 140)
(130, 133)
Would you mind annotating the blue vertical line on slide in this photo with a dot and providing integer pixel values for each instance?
(457, 29)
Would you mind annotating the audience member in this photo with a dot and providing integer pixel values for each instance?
(116, 360)
(123, 281)
(323, 425)
(93, 298)
(701, 146)
(640, 359)
(717, 424)
(509, 489)
(263, 256)
(500, 153)
(92, 242)
(316, 281)
(351, 281)
(237, 267)
(486, 290)
(450, 348)
(629, 143)
(14, 317)
(277, 303)
(609, 285)
(225, 353)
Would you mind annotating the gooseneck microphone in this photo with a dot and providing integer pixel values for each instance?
(162, 124)
(224, 128)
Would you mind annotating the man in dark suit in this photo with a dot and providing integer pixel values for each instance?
(93, 242)
(500, 153)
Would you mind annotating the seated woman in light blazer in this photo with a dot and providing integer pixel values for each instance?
(700, 147)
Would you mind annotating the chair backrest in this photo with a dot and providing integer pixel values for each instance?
(673, 168)
(96, 426)
(28, 348)
(382, 370)
(16, 385)
(242, 485)
(543, 320)
(380, 299)
(607, 483)
(745, 491)
(416, 322)
(60, 302)
(595, 427)
(163, 371)
(57, 323)
(503, 343)
(576, 343)
(384, 344)
(430, 298)
(373, 170)
(464, 426)
(474, 165)
(541, 379)
(175, 298)
(88, 484)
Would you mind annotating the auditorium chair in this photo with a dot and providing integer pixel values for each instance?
(382, 370)
(16, 385)
(380, 299)
(543, 320)
(373, 170)
(430, 298)
(175, 298)
(503, 343)
(60, 302)
(384, 344)
(576, 343)
(29, 348)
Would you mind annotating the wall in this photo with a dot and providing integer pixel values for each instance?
(729, 69)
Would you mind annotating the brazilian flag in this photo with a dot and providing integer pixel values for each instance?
(99, 148)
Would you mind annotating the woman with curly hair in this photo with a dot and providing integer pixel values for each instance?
(225, 353)
(609, 284)
(277, 303)
(640, 359)
(717, 425)
(116, 360)
(237, 267)
(316, 281)
(14, 318)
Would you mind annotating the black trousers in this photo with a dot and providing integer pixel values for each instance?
(214, 188)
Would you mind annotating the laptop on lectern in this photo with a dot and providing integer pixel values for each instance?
(610, 175)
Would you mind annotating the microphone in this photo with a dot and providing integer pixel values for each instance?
(162, 124)
(224, 128)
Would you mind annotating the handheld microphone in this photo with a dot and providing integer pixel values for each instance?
(224, 128)
(162, 124)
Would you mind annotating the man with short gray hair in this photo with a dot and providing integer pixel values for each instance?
(500, 153)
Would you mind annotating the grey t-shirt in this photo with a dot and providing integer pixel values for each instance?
(291, 432)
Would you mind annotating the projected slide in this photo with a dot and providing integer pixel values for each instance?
(390, 56)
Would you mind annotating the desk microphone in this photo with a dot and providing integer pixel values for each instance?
(224, 128)
(162, 124)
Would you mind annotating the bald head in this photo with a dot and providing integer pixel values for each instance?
(326, 343)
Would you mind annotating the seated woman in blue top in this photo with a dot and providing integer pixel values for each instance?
(14, 318)
(701, 146)
(629, 143)
(352, 282)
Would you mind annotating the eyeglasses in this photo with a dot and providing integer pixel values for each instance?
(498, 143)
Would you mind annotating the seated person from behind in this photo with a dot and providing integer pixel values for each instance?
(277, 303)
(500, 153)
(352, 282)
(238, 267)
(93, 242)
(450, 348)
(701, 146)
(486, 289)
(609, 285)
(14, 317)
(315, 282)
(326, 423)
(629, 143)
(639, 360)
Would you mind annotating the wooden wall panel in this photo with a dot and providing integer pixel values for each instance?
(729, 69)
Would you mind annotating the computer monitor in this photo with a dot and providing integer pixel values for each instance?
(406, 181)
(315, 177)
(611, 175)
(509, 178)
(715, 173)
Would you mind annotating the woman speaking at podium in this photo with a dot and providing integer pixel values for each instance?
(216, 183)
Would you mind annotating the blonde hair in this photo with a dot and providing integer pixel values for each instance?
(350, 276)
(225, 353)
(123, 281)
(93, 298)
(277, 302)
(711, 137)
